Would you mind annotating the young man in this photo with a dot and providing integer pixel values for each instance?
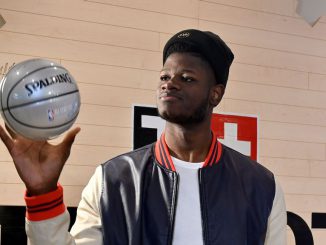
(187, 188)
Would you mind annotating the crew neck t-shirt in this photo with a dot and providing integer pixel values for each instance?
(188, 222)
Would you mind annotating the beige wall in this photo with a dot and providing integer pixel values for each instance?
(113, 49)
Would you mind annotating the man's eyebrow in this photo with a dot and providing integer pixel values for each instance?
(183, 70)
(188, 70)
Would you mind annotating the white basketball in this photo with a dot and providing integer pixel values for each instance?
(39, 99)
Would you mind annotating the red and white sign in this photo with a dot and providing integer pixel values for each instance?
(238, 132)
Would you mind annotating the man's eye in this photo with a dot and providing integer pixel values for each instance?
(188, 79)
(164, 78)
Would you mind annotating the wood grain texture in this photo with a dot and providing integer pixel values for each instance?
(113, 50)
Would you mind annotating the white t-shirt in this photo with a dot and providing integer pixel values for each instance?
(188, 223)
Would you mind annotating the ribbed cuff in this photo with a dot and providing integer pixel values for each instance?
(45, 206)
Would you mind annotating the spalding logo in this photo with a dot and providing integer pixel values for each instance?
(184, 35)
(42, 83)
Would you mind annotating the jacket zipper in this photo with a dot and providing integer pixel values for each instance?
(202, 208)
(174, 206)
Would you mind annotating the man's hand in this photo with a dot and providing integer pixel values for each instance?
(38, 163)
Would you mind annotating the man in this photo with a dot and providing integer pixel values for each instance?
(187, 188)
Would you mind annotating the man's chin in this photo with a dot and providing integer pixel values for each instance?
(169, 117)
(181, 119)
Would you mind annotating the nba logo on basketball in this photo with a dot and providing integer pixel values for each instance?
(51, 114)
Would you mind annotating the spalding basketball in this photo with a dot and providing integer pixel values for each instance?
(39, 99)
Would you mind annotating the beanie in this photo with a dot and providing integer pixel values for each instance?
(210, 46)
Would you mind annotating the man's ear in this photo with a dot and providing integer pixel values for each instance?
(217, 92)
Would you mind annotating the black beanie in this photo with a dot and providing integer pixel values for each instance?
(210, 46)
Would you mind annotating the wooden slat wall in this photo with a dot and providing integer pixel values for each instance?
(113, 49)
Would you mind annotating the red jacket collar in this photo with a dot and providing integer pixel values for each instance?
(163, 156)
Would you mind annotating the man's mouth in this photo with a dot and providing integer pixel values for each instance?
(169, 96)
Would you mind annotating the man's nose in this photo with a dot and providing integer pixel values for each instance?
(172, 83)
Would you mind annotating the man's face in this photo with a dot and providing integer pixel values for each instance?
(185, 90)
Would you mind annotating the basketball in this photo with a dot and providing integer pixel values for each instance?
(39, 99)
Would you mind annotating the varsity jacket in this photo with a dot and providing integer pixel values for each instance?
(136, 200)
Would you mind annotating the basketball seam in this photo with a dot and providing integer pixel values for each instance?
(56, 126)
(38, 127)
(1, 97)
(32, 102)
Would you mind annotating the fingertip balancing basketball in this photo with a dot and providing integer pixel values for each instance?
(39, 99)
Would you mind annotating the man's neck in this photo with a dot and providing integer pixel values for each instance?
(188, 144)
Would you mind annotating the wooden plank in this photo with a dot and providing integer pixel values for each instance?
(278, 113)
(72, 195)
(12, 194)
(281, 7)
(71, 174)
(278, 59)
(5, 156)
(248, 4)
(112, 75)
(259, 20)
(188, 8)
(305, 203)
(266, 39)
(115, 96)
(106, 14)
(292, 132)
(92, 151)
(268, 76)
(78, 51)
(275, 95)
(76, 175)
(286, 167)
(90, 155)
(220, 108)
(318, 235)
(7, 60)
(303, 186)
(8, 174)
(69, 29)
(318, 169)
(292, 150)
(317, 82)
(104, 136)
(86, 155)
(105, 116)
